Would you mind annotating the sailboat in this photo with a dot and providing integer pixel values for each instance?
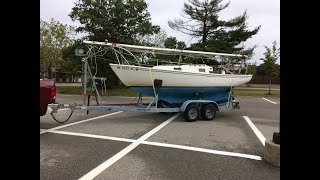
(175, 84)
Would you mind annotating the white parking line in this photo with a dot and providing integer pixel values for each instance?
(71, 124)
(211, 151)
(96, 171)
(269, 100)
(93, 136)
(43, 130)
(255, 130)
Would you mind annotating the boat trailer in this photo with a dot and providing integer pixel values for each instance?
(191, 109)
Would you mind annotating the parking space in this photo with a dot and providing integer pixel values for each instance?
(121, 145)
(227, 132)
(47, 122)
(124, 125)
(264, 115)
(148, 162)
(70, 157)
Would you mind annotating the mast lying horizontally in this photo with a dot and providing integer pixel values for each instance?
(164, 51)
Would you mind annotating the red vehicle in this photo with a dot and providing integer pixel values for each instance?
(47, 94)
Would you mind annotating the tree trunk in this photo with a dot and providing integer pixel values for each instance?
(204, 33)
(203, 40)
(270, 86)
(49, 70)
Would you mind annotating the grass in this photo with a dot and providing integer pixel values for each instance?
(69, 90)
(121, 92)
(110, 92)
(252, 92)
(276, 86)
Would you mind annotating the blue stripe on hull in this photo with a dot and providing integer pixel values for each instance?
(178, 95)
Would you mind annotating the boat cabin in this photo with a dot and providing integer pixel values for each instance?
(195, 68)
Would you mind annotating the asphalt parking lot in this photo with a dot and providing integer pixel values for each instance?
(123, 145)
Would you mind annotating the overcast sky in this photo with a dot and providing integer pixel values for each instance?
(261, 12)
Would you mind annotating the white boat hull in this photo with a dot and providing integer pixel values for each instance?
(132, 75)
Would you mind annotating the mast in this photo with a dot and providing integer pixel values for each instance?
(164, 51)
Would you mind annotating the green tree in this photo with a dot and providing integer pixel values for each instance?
(269, 67)
(202, 21)
(252, 69)
(120, 21)
(170, 42)
(54, 36)
(181, 45)
(70, 62)
(173, 43)
(155, 40)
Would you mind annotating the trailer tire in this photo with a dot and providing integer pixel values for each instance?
(191, 113)
(208, 112)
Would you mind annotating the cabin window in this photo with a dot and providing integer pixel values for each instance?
(202, 70)
(177, 68)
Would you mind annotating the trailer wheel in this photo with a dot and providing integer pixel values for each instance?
(191, 113)
(208, 112)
